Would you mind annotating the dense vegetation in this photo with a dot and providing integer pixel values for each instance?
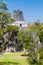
(27, 38)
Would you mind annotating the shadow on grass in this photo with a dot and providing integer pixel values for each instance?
(9, 63)
(25, 55)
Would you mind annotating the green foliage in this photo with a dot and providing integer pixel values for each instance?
(3, 6)
(25, 38)
(5, 17)
(41, 32)
(37, 58)
(1, 32)
(12, 28)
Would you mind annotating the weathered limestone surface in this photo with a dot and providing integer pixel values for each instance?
(18, 15)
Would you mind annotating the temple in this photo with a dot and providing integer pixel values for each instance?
(18, 15)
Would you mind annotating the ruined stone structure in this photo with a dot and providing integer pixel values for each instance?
(10, 42)
(10, 39)
(19, 20)
(37, 42)
(18, 15)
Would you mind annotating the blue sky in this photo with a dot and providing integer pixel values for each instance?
(32, 9)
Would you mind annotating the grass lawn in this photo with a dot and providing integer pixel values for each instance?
(13, 59)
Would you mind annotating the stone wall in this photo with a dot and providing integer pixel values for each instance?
(18, 15)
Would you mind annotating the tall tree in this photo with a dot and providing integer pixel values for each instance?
(5, 17)
(3, 6)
